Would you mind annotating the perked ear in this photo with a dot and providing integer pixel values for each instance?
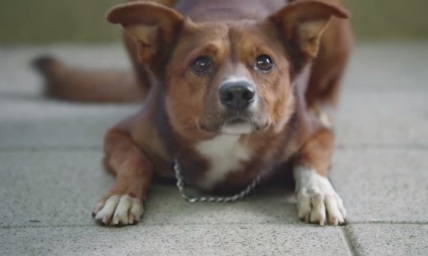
(304, 21)
(153, 27)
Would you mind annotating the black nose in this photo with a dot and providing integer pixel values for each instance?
(237, 95)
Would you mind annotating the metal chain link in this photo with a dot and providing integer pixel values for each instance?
(217, 199)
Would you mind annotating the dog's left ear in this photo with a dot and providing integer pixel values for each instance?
(304, 21)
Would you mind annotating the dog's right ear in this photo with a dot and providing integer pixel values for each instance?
(153, 27)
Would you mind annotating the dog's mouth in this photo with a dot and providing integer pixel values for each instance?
(235, 125)
(238, 125)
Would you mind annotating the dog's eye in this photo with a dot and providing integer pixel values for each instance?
(202, 65)
(264, 63)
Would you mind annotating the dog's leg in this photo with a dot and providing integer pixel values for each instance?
(317, 201)
(122, 205)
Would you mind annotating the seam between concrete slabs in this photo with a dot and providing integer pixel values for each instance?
(351, 235)
(351, 249)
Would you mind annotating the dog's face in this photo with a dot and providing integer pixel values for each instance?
(226, 77)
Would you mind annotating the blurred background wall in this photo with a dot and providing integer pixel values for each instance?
(83, 21)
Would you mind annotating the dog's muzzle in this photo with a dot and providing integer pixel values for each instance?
(239, 100)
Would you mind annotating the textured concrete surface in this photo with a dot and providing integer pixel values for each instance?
(51, 176)
(393, 240)
(383, 185)
(176, 240)
(47, 188)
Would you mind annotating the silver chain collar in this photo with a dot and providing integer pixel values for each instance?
(218, 199)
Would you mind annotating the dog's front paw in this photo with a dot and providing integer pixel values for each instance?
(317, 202)
(118, 210)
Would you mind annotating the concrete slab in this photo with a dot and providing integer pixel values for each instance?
(389, 240)
(48, 110)
(388, 66)
(53, 125)
(386, 185)
(46, 188)
(65, 133)
(57, 188)
(47, 123)
(381, 120)
(384, 96)
(175, 240)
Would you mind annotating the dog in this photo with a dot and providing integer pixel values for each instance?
(234, 91)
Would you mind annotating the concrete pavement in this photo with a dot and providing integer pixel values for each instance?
(51, 177)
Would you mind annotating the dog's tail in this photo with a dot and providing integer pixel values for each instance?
(72, 84)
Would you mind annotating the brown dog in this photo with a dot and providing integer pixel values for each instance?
(234, 91)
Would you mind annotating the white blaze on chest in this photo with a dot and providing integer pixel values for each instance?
(224, 154)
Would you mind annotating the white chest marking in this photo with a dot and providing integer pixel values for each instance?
(224, 154)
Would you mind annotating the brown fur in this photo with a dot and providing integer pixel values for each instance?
(182, 109)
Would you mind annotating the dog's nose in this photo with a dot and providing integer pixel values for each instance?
(237, 96)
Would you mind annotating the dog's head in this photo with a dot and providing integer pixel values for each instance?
(230, 77)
